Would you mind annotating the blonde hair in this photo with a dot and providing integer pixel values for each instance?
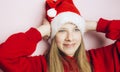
(82, 59)
(55, 62)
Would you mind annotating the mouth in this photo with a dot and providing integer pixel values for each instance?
(69, 45)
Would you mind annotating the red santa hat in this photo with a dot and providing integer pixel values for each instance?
(59, 12)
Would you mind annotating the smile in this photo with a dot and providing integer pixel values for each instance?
(69, 45)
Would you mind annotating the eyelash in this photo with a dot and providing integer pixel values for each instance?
(61, 30)
(77, 30)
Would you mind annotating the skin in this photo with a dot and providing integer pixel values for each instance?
(68, 39)
(45, 29)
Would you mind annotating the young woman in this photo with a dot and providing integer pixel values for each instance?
(67, 52)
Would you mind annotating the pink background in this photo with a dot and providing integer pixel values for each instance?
(20, 15)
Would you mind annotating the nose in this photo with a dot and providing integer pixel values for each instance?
(69, 36)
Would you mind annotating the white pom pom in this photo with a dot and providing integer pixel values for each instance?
(51, 12)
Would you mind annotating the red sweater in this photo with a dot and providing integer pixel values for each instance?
(15, 51)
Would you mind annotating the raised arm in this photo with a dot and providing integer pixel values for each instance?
(91, 25)
(24, 44)
(111, 28)
(107, 58)
(16, 50)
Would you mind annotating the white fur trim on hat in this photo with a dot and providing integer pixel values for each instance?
(65, 17)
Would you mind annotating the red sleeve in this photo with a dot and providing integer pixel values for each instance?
(110, 27)
(20, 44)
(15, 50)
(107, 59)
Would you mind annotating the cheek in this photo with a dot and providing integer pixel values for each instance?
(77, 37)
(59, 40)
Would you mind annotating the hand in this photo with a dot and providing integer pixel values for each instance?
(45, 29)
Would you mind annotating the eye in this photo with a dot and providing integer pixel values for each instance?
(61, 31)
(76, 29)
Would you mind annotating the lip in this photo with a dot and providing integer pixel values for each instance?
(69, 45)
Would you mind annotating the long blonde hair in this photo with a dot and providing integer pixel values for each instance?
(55, 63)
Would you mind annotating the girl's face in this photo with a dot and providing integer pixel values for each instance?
(68, 39)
